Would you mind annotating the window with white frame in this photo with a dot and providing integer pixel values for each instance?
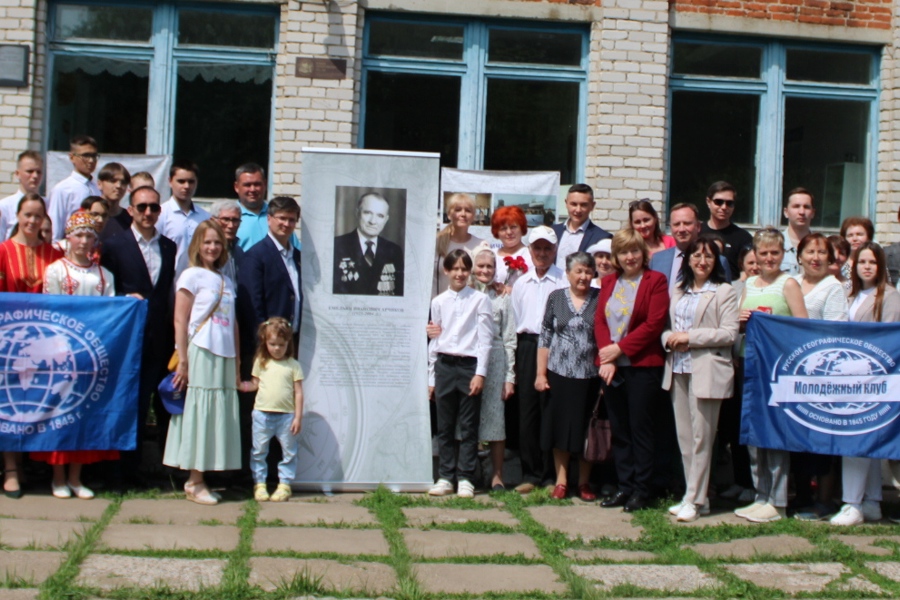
(769, 116)
(189, 79)
(485, 94)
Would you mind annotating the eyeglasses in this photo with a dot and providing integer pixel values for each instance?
(142, 207)
(721, 201)
(88, 155)
(229, 220)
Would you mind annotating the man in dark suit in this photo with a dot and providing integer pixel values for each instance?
(270, 274)
(366, 263)
(684, 220)
(143, 264)
(578, 233)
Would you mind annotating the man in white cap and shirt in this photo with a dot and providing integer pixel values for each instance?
(529, 298)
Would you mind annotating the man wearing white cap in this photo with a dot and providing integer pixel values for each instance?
(529, 299)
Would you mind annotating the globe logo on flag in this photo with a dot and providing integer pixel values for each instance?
(45, 372)
(841, 391)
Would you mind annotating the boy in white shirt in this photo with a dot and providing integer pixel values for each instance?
(457, 364)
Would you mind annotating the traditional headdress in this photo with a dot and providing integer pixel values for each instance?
(82, 220)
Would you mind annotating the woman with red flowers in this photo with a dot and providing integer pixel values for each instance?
(508, 225)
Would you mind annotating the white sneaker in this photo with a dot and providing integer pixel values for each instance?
(848, 515)
(688, 513)
(871, 510)
(676, 508)
(465, 489)
(745, 511)
(767, 513)
(441, 488)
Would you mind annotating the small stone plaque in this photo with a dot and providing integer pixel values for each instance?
(321, 68)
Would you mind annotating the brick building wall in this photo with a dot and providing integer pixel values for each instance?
(875, 14)
(888, 183)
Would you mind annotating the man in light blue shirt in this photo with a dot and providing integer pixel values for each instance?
(67, 195)
(180, 216)
(250, 186)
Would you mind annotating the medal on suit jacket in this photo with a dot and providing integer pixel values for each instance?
(386, 282)
(348, 270)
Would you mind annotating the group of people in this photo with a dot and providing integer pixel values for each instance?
(205, 276)
(650, 327)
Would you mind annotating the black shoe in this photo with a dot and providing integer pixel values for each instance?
(636, 502)
(617, 499)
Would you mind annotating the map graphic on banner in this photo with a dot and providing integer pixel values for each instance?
(368, 234)
(811, 388)
(535, 192)
(69, 370)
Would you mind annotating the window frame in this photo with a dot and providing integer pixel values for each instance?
(163, 54)
(773, 88)
(475, 71)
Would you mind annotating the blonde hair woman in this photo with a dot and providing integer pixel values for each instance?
(460, 209)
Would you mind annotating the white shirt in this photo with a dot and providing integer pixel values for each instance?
(363, 240)
(151, 253)
(66, 198)
(8, 219)
(467, 328)
(287, 256)
(529, 297)
(179, 226)
(569, 243)
(217, 334)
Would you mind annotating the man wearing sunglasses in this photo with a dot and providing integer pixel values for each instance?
(720, 198)
(143, 265)
(67, 195)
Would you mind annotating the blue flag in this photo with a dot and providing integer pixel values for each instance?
(69, 372)
(822, 386)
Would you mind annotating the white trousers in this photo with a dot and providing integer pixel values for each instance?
(862, 479)
(696, 420)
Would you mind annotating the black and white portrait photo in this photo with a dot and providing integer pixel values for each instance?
(370, 226)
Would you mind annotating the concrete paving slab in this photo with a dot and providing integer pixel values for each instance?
(170, 537)
(773, 545)
(610, 555)
(866, 543)
(319, 539)
(443, 578)
(722, 517)
(28, 533)
(109, 571)
(790, 577)
(30, 566)
(316, 513)
(48, 508)
(587, 522)
(19, 594)
(891, 570)
(177, 512)
(440, 544)
(365, 577)
(425, 516)
(681, 578)
(857, 583)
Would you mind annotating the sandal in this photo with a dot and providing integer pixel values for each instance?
(202, 497)
(13, 494)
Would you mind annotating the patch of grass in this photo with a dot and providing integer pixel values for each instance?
(387, 508)
(303, 583)
(59, 585)
(346, 558)
(272, 523)
(210, 522)
(189, 553)
(140, 521)
(471, 527)
(11, 582)
(234, 577)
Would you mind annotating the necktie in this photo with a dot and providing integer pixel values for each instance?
(370, 254)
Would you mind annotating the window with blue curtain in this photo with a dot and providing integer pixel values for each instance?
(486, 94)
(772, 115)
(184, 78)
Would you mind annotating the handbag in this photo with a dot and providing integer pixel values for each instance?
(598, 441)
(173, 361)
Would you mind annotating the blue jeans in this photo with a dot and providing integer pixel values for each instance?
(267, 425)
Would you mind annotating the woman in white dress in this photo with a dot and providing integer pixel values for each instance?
(77, 274)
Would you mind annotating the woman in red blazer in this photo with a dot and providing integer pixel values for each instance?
(634, 302)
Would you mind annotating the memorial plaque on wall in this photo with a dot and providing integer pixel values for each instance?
(321, 68)
(13, 65)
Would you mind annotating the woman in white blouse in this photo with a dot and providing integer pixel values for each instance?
(699, 369)
(822, 292)
(872, 300)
